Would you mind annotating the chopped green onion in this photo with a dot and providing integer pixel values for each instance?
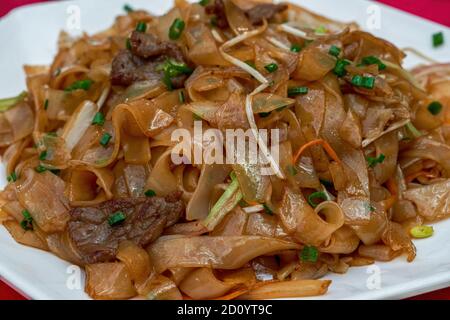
(435, 108)
(309, 254)
(181, 97)
(128, 8)
(295, 91)
(27, 222)
(150, 193)
(372, 162)
(8, 103)
(40, 169)
(171, 69)
(414, 131)
(43, 155)
(141, 27)
(296, 47)
(267, 210)
(363, 82)
(104, 140)
(167, 81)
(292, 170)
(57, 72)
(51, 134)
(204, 3)
(176, 29)
(438, 39)
(227, 201)
(271, 67)
(334, 51)
(46, 104)
(12, 177)
(128, 44)
(80, 85)
(339, 69)
(421, 232)
(370, 60)
(99, 119)
(116, 218)
(316, 195)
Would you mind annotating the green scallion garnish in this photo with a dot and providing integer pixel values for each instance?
(40, 169)
(127, 8)
(295, 91)
(116, 218)
(27, 222)
(334, 51)
(141, 27)
(272, 67)
(316, 195)
(80, 85)
(363, 82)
(370, 60)
(339, 68)
(267, 210)
(12, 177)
(204, 3)
(435, 108)
(176, 29)
(46, 104)
(150, 193)
(6, 104)
(309, 254)
(43, 155)
(296, 47)
(104, 140)
(372, 162)
(438, 39)
(99, 119)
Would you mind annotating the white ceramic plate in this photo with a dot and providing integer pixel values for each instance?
(28, 36)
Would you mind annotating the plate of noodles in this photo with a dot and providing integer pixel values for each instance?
(347, 199)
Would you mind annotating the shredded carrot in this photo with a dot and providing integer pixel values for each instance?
(321, 142)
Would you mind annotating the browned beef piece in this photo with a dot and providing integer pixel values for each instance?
(95, 240)
(142, 61)
(218, 10)
(146, 45)
(267, 11)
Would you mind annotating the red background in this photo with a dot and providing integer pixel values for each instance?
(435, 10)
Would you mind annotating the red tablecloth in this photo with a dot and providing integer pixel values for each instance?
(436, 10)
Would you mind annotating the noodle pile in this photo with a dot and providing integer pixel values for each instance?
(364, 154)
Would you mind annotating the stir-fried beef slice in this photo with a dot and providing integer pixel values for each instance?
(218, 10)
(266, 11)
(95, 240)
(141, 62)
(147, 45)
